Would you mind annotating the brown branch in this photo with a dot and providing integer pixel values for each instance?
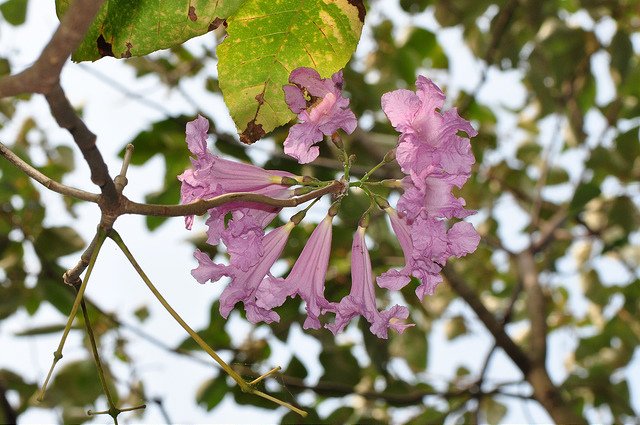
(549, 229)
(536, 306)
(66, 117)
(44, 74)
(544, 390)
(487, 318)
(72, 276)
(337, 389)
(202, 206)
(44, 180)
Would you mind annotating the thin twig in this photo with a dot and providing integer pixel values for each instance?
(544, 174)
(536, 306)
(96, 357)
(202, 206)
(57, 355)
(487, 318)
(121, 179)
(545, 392)
(244, 386)
(44, 180)
(45, 72)
(72, 276)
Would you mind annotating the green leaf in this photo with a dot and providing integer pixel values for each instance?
(584, 193)
(621, 51)
(41, 330)
(296, 369)
(493, 410)
(455, 327)
(23, 389)
(411, 345)
(340, 416)
(142, 313)
(14, 11)
(212, 392)
(340, 365)
(54, 242)
(76, 382)
(124, 28)
(267, 39)
(557, 175)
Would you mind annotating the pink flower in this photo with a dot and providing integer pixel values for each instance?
(362, 299)
(322, 113)
(211, 176)
(306, 278)
(244, 283)
(427, 245)
(433, 196)
(429, 136)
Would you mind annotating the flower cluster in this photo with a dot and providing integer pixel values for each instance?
(430, 151)
(435, 159)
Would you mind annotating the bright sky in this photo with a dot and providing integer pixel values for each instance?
(167, 257)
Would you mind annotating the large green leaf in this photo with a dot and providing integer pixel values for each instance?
(14, 11)
(125, 28)
(267, 39)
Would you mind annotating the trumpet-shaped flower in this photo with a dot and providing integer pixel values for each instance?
(362, 299)
(244, 283)
(429, 137)
(432, 196)
(321, 109)
(427, 245)
(306, 278)
(211, 176)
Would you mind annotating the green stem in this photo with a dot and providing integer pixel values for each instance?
(244, 386)
(389, 156)
(234, 375)
(281, 403)
(57, 355)
(266, 375)
(96, 358)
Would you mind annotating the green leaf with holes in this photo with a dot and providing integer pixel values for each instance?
(124, 28)
(267, 39)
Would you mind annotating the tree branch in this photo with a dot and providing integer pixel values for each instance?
(44, 180)
(66, 117)
(44, 74)
(202, 206)
(544, 391)
(536, 305)
(486, 317)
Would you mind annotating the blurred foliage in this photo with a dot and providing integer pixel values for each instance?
(565, 150)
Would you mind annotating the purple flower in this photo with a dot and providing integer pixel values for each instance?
(211, 176)
(430, 151)
(432, 195)
(306, 278)
(362, 299)
(321, 110)
(427, 245)
(245, 283)
(429, 137)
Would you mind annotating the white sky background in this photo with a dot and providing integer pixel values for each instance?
(167, 257)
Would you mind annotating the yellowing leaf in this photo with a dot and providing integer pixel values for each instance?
(267, 39)
(125, 28)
